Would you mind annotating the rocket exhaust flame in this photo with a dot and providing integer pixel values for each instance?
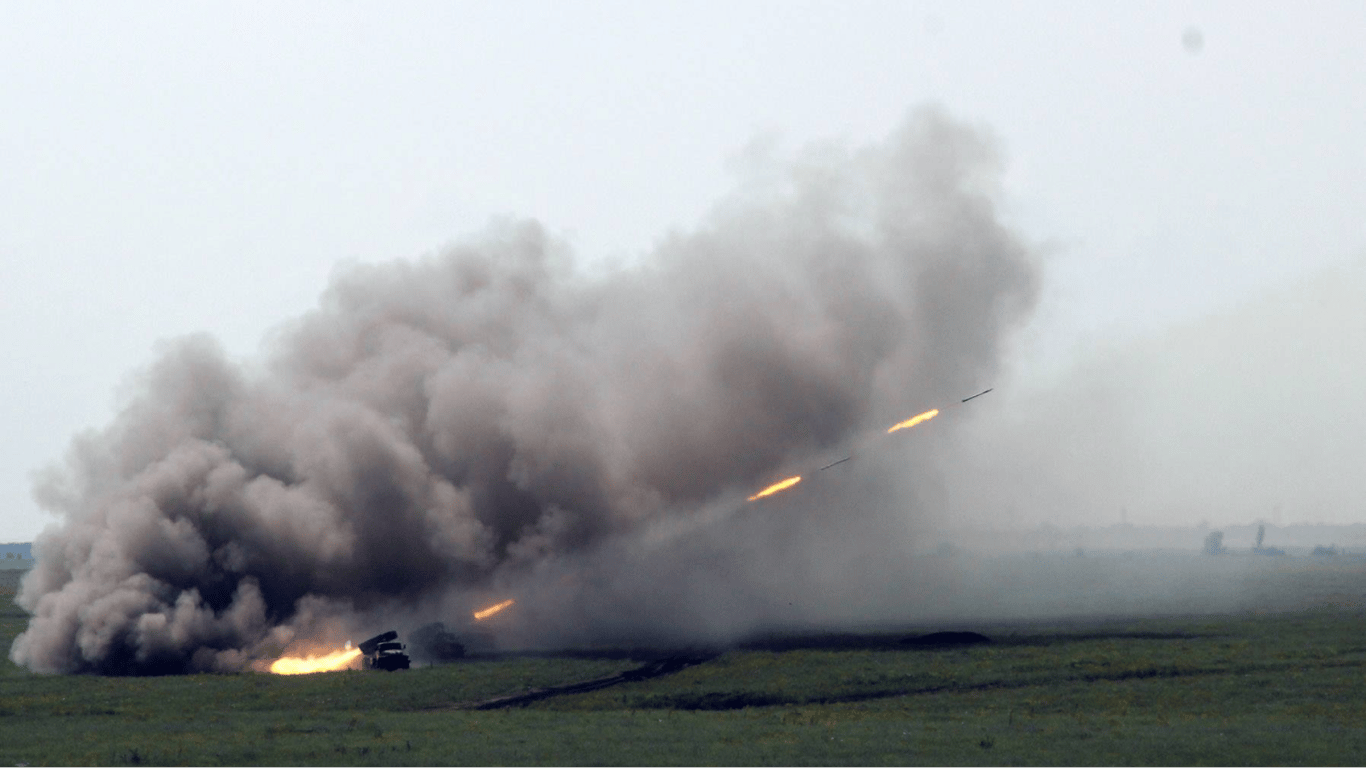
(781, 485)
(911, 422)
(492, 609)
(307, 665)
(920, 418)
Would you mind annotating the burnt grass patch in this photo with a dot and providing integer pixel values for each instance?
(657, 668)
(1041, 633)
(733, 700)
(865, 687)
(946, 640)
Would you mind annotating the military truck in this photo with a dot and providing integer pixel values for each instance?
(383, 651)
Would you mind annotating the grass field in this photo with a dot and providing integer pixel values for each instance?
(1275, 688)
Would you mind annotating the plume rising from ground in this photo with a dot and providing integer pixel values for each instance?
(440, 425)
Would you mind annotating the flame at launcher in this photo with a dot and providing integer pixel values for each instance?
(295, 665)
(917, 419)
(781, 485)
(492, 609)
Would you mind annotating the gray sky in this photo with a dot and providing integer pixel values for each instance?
(171, 168)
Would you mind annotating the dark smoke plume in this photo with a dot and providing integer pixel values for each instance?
(439, 423)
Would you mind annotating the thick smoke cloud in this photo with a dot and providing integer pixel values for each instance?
(441, 425)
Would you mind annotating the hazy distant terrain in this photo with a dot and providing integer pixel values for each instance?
(16, 555)
(1294, 539)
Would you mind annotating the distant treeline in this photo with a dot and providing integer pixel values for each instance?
(1350, 538)
(14, 551)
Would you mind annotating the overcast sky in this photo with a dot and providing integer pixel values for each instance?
(172, 168)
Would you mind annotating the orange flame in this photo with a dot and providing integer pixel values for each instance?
(781, 485)
(911, 422)
(492, 609)
(331, 662)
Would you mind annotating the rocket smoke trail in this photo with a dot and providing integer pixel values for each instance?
(436, 422)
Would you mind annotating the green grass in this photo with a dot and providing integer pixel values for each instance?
(1279, 688)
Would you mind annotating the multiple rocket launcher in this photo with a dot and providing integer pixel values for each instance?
(383, 651)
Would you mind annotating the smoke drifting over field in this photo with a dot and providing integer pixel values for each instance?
(490, 416)
(1253, 411)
